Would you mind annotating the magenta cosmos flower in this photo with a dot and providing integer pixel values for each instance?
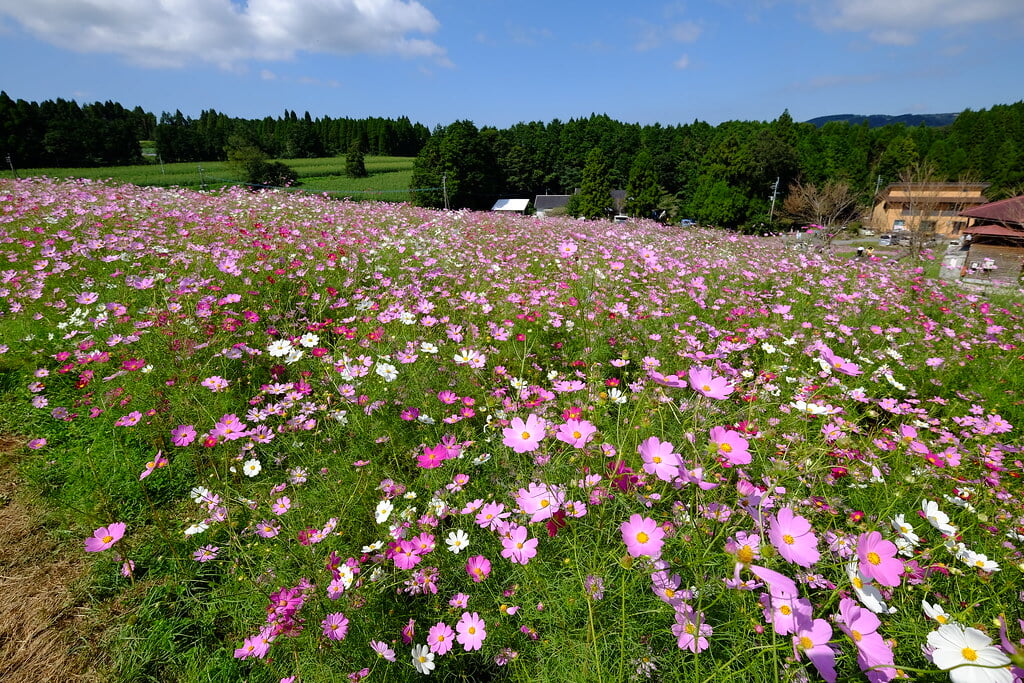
(730, 446)
(183, 435)
(792, 536)
(812, 639)
(642, 536)
(471, 631)
(441, 638)
(878, 559)
(105, 537)
(523, 437)
(478, 567)
(705, 383)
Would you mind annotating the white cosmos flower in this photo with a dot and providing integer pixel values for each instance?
(868, 594)
(979, 561)
(309, 340)
(251, 467)
(457, 541)
(936, 612)
(968, 649)
(900, 525)
(422, 659)
(427, 347)
(937, 518)
(388, 371)
(196, 529)
(279, 348)
(383, 511)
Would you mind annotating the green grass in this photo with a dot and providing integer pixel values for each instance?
(388, 180)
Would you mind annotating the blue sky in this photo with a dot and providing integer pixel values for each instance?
(497, 63)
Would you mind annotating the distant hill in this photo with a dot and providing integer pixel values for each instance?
(877, 120)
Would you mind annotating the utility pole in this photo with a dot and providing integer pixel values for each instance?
(202, 180)
(444, 188)
(878, 182)
(10, 162)
(775, 193)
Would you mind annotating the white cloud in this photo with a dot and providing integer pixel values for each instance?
(172, 34)
(899, 22)
(648, 36)
(267, 75)
(682, 62)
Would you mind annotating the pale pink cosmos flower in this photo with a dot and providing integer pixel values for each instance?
(517, 548)
(690, 629)
(105, 537)
(335, 626)
(471, 631)
(873, 652)
(440, 638)
(704, 382)
(793, 537)
(540, 501)
(524, 437)
(153, 465)
(730, 446)
(642, 536)
(183, 435)
(576, 433)
(659, 459)
(812, 639)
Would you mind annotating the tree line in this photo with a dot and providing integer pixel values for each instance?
(723, 175)
(61, 133)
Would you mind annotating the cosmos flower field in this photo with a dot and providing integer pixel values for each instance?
(300, 439)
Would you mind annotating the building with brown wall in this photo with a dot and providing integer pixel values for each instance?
(927, 208)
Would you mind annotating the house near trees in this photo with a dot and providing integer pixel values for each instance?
(993, 248)
(544, 204)
(926, 208)
(511, 205)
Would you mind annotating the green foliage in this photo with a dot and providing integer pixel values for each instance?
(595, 196)
(355, 166)
(643, 193)
(458, 165)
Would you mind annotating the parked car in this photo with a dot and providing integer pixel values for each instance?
(885, 240)
(687, 223)
(620, 218)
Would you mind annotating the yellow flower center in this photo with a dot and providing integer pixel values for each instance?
(857, 636)
(806, 643)
(642, 537)
(857, 583)
(422, 659)
(941, 618)
(969, 654)
(705, 387)
(471, 630)
(525, 436)
(787, 539)
(669, 593)
(576, 435)
(786, 610)
(656, 460)
(726, 448)
(745, 554)
(107, 539)
(544, 503)
(874, 559)
(691, 629)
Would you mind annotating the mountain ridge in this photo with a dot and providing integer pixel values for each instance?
(878, 120)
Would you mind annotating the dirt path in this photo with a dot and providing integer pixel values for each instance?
(44, 630)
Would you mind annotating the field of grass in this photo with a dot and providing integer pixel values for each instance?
(388, 180)
(309, 440)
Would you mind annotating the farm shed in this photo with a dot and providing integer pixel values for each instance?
(543, 203)
(996, 248)
(511, 205)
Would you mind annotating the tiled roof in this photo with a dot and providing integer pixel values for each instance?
(1004, 211)
(543, 202)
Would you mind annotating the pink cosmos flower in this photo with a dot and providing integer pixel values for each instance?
(540, 501)
(812, 639)
(229, 427)
(576, 433)
(838, 363)
(730, 446)
(792, 536)
(406, 555)
(183, 435)
(491, 514)
(152, 465)
(690, 629)
(105, 537)
(523, 437)
(874, 655)
(432, 456)
(517, 547)
(642, 536)
(335, 626)
(878, 559)
(659, 459)
(478, 567)
(281, 505)
(471, 631)
(705, 383)
(441, 638)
